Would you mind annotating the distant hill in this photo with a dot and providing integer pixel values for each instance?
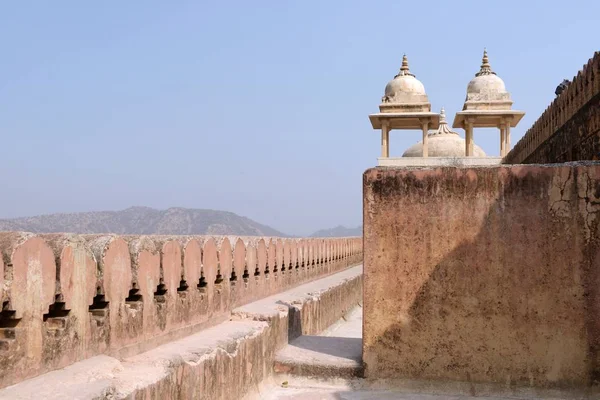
(143, 221)
(339, 231)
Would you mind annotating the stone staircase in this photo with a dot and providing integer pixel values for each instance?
(334, 353)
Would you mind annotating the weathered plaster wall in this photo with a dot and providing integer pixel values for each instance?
(232, 360)
(68, 297)
(569, 129)
(483, 274)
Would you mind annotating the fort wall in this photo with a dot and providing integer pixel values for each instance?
(569, 129)
(69, 297)
(483, 275)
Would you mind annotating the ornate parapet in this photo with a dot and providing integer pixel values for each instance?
(569, 130)
(68, 297)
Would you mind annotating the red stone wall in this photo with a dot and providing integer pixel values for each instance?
(569, 129)
(487, 275)
(69, 297)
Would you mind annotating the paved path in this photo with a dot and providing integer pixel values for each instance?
(349, 394)
(329, 356)
(336, 352)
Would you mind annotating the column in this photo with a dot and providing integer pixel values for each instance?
(385, 140)
(425, 126)
(468, 138)
(502, 140)
(507, 137)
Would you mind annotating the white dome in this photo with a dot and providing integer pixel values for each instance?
(404, 84)
(443, 143)
(487, 88)
(404, 88)
(443, 146)
(486, 84)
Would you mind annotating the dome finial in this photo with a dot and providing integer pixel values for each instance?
(443, 129)
(404, 70)
(486, 68)
(404, 63)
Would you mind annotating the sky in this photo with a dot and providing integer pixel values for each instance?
(255, 107)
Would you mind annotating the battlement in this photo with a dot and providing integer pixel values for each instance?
(567, 130)
(69, 297)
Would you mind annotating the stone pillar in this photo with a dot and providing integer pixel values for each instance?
(468, 138)
(507, 137)
(425, 126)
(502, 140)
(385, 140)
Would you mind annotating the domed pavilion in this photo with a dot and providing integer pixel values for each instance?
(488, 105)
(404, 105)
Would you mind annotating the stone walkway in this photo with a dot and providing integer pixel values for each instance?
(349, 394)
(335, 354)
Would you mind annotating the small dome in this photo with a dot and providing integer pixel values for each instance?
(486, 86)
(404, 84)
(443, 146)
(443, 143)
(404, 88)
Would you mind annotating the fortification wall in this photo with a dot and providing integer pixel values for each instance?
(487, 275)
(569, 129)
(69, 297)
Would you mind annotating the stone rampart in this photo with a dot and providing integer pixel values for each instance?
(569, 129)
(68, 297)
(483, 275)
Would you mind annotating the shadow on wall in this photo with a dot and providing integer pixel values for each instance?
(485, 275)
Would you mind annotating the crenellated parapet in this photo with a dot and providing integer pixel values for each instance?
(569, 129)
(68, 297)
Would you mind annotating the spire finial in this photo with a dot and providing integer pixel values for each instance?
(404, 70)
(485, 62)
(404, 63)
(486, 68)
(443, 129)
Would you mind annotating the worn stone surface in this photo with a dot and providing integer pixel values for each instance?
(483, 274)
(227, 361)
(578, 139)
(30, 278)
(569, 129)
(335, 352)
(327, 387)
(305, 391)
(315, 306)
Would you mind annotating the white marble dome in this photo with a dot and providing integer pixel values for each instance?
(443, 146)
(443, 143)
(483, 84)
(404, 88)
(487, 86)
(404, 84)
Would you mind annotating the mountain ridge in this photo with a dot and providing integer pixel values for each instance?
(338, 231)
(142, 220)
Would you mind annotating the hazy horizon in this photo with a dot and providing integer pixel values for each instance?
(260, 111)
(172, 208)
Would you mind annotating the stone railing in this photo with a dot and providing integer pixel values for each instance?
(68, 297)
(567, 130)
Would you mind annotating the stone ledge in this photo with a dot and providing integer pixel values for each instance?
(439, 161)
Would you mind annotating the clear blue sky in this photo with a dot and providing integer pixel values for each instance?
(256, 107)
